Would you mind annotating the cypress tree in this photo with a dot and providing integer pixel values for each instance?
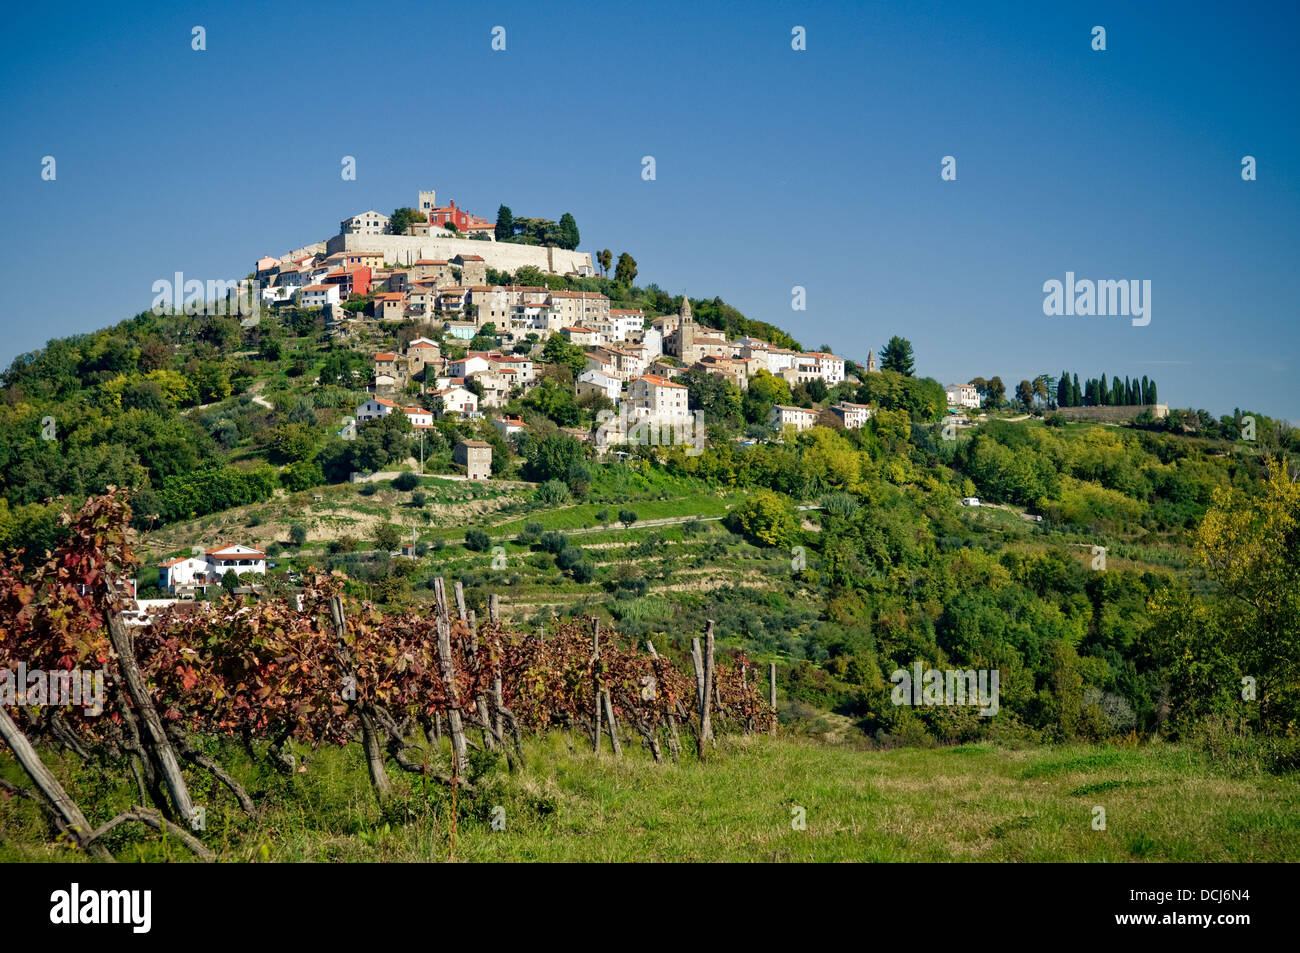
(1075, 394)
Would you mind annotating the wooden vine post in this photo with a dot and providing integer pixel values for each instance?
(595, 684)
(374, 752)
(674, 742)
(447, 667)
(70, 820)
(706, 691)
(771, 696)
(143, 701)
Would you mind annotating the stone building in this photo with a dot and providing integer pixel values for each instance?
(476, 457)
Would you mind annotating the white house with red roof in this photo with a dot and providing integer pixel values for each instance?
(378, 407)
(653, 396)
(183, 572)
(236, 558)
(509, 426)
(318, 296)
(458, 400)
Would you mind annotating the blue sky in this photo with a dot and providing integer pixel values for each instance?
(775, 168)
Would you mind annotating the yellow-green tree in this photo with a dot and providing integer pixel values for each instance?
(1238, 650)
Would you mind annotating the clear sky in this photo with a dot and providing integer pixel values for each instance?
(775, 168)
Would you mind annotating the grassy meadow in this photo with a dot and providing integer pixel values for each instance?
(978, 802)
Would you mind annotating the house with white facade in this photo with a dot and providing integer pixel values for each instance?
(366, 223)
(800, 418)
(458, 400)
(853, 415)
(652, 396)
(962, 395)
(319, 296)
(597, 382)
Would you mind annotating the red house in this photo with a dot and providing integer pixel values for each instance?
(463, 221)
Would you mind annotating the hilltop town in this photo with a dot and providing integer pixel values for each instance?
(630, 358)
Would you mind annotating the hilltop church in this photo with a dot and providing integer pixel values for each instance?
(690, 342)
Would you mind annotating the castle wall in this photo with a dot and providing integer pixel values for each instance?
(503, 256)
(1113, 414)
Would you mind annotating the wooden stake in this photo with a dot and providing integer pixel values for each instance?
(674, 742)
(143, 700)
(370, 745)
(595, 683)
(706, 725)
(613, 729)
(771, 695)
(460, 759)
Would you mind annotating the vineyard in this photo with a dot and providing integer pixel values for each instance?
(419, 691)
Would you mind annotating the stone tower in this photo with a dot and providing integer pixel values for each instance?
(427, 201)
(871, 362)
(686, 334)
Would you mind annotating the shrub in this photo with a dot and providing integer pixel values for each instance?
(297, 534)
(553, 492)
(765, 518)
(478, 540)
(406, 482)
(568, 557)
(388, 536)
(419, 498)
(584, 572)
(344, 544)
(554, 542)
(627, 517)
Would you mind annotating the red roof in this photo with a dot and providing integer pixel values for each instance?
(659, 381)
(251, 552)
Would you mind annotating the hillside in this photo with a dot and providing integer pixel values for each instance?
(841, 554)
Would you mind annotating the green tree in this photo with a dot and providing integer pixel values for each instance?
(897, 356)
(478, 540)
(387, 536)
(568, 230)
(229, 581)
(402, 218)
(555, 401)
(625, 270)
(505, 228)
(627, 518)
(765, 517)
(551, 457)
(1025, 394)
(604, 258)
(558, 350)
(716, 396)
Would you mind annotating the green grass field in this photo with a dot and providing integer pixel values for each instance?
(970, 803)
